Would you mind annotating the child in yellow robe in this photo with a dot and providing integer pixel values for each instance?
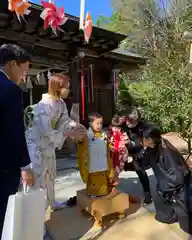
(95, 164)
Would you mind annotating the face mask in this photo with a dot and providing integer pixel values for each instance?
(131, 125)
(64, 92)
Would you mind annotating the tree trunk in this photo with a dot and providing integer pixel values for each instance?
(189, 145)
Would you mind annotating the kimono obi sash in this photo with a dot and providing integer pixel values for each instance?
(98, 154)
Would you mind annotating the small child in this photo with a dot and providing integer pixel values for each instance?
(119, 152)
(95, 164)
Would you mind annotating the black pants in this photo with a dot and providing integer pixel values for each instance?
(176, 209)
(136, 166)
(9, 184)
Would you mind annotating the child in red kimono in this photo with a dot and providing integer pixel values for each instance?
(118, 149)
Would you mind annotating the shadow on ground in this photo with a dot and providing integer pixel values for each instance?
(133, 187)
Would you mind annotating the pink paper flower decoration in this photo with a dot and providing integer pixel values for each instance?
(88, 27)
(53, 16)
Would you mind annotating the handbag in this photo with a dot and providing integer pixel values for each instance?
(25, 216)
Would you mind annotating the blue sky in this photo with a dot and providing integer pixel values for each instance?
(96, 7)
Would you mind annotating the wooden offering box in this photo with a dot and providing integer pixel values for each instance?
(103, 206)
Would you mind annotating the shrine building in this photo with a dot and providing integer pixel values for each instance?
(67, 52)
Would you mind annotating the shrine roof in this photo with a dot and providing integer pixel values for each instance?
(125, 56)
(32, 31)
(126, 53)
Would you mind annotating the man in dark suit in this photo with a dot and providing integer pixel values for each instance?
(14, 157)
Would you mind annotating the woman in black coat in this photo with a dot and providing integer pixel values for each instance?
(174, 182)
(133, 125)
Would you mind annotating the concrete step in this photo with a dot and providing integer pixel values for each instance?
(145, 227)
(137, 226)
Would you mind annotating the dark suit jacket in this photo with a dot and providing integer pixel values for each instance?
(13, 148)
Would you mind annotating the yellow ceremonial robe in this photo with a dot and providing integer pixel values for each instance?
(98, 183)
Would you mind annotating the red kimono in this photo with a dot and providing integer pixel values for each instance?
(119, 153)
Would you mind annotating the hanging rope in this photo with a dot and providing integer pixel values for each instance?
(115, 85)
(88, 85)
(83, 92)
(92, 84)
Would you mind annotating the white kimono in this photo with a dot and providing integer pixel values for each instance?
(50, 122)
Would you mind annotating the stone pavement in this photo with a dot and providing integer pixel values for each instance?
(69, 224)
(178, 142)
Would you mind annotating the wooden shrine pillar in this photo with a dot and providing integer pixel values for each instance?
(4, 6)
(75, 83)
(114, 89)
(4, 13)
(75, 89)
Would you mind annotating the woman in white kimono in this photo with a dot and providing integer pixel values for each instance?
(48, 130)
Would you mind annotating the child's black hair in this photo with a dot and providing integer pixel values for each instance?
(153, 132)
(93, 116)
(121, 113)
(115, 121)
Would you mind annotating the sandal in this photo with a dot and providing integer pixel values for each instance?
(72, 201)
